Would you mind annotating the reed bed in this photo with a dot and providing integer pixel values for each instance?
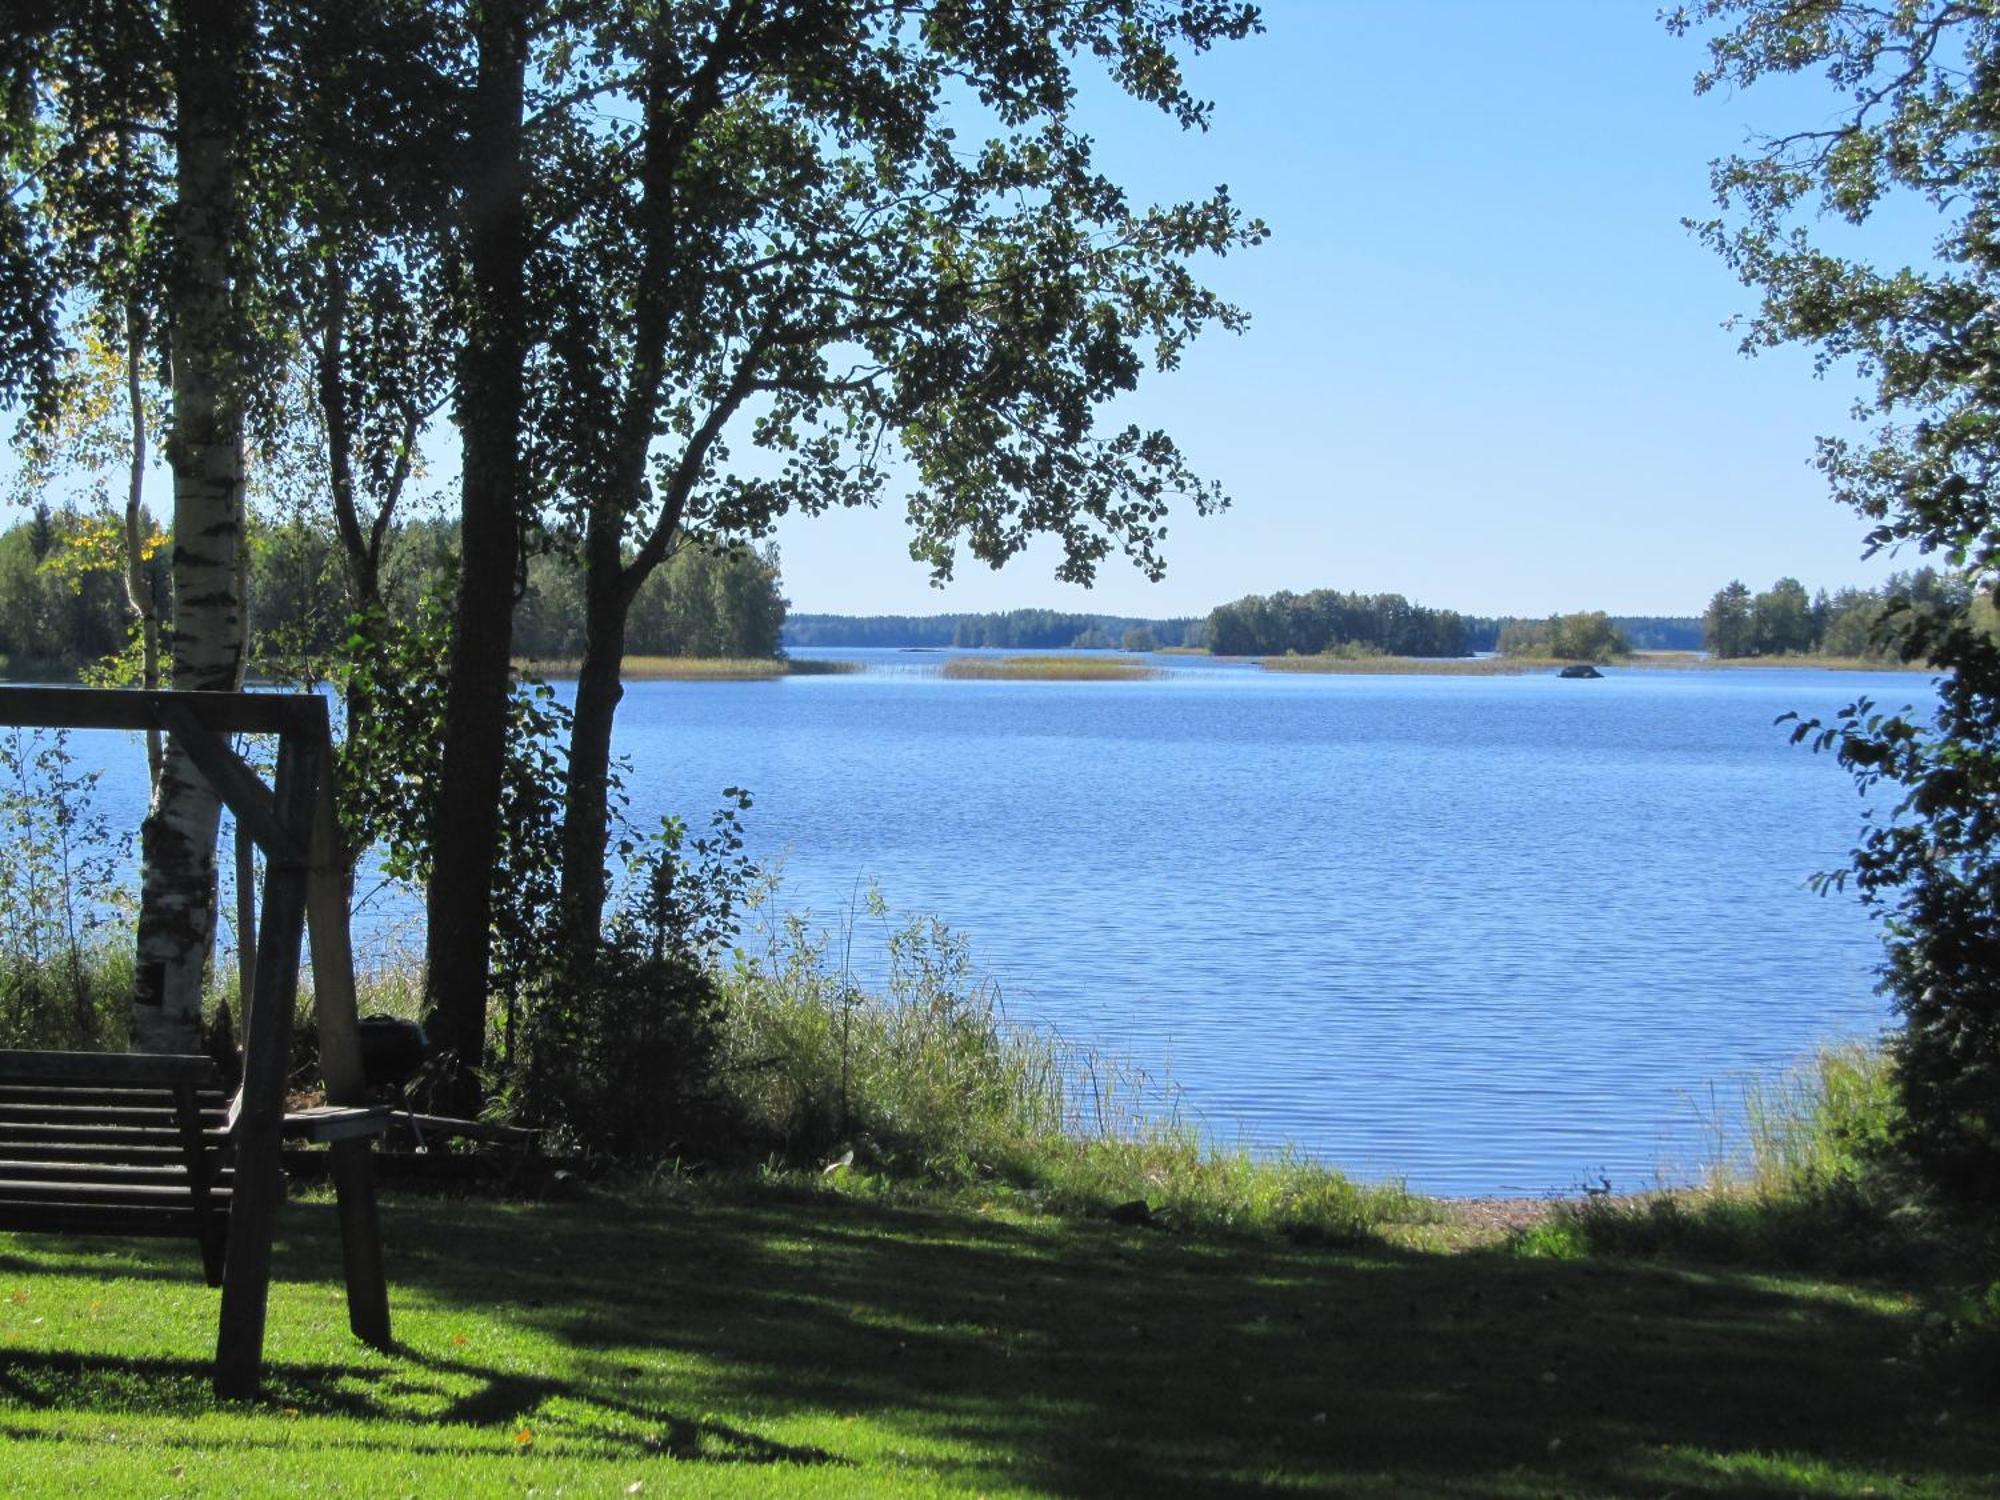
(1049, 669)
(1412, 666)
(702, 668)
(1694, 661)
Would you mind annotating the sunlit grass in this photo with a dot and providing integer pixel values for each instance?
(1049, 668)
(755, 1339)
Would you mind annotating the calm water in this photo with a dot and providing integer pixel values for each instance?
(1492, 934)
(1496, 934)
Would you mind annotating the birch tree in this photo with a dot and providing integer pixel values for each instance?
(84, 84)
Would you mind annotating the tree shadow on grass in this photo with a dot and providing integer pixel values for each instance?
(1082, 1358)
(464, 1395)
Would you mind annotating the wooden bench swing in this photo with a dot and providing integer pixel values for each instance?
(150, 1144)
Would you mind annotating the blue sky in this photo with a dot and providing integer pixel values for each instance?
(1487, 366)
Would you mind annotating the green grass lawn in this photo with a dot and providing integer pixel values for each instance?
(747, 1340)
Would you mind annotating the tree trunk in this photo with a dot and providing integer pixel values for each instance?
(205, 449)
(586, 808)
(138, 586)
(490, 396)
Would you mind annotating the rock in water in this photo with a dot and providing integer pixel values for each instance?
(1579, 669)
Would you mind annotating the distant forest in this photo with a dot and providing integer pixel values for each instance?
(63, 609)
(1019, 629)
(1260, 625)
(1641, 632)
(1784, 620)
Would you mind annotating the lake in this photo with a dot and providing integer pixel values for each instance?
(1494, 934)
(1490, 934)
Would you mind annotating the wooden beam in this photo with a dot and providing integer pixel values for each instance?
(234, 782)
(113, 1069)
(129, 708)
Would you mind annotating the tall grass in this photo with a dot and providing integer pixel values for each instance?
(1825, 1123)
(927, 1081)
(1816, 1184)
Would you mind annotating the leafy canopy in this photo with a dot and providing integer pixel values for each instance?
(1917, 91)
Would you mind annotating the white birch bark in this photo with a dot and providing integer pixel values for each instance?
(205, 449)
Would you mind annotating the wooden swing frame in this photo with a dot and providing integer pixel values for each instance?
(292, 821)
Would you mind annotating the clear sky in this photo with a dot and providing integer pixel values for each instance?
(1486, 366)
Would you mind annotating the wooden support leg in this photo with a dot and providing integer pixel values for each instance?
(267, 1049)
(346, 1083)
(209, 1226)
(361, 1241)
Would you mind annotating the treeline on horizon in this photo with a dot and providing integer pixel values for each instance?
(1260, 625)
(1017, 629)
(63, 609)
(1784, 620)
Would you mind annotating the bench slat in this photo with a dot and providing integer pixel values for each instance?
(171, 1173)
(337, 1122)
(93, 1218)
(70, 1093)
(162, 1116)
(70, 1190)
(113, 1068)
(94, 1151)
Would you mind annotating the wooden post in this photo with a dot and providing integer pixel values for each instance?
(340, 1065)
(246, 916)
(208, 1228)
(267, 1049)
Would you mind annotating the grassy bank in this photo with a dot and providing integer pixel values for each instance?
(1048, 668)
(1028, 1279)
(700, 668)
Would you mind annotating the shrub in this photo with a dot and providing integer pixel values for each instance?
(65, 967)
(927, 1079)
(621, 1060)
